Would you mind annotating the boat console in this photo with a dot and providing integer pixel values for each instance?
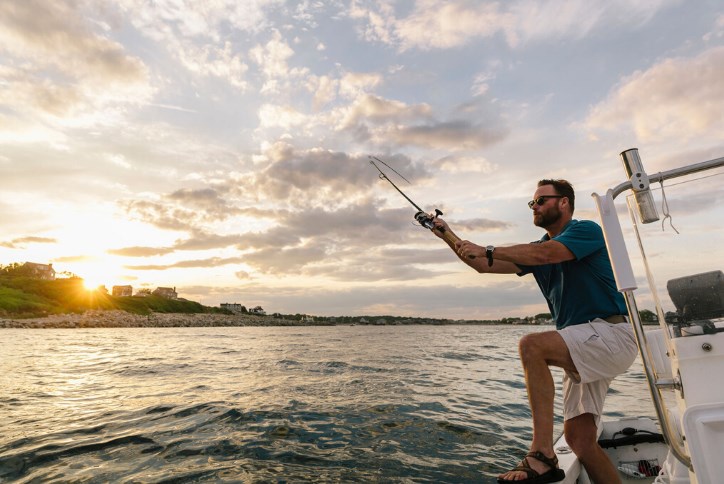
(699, 300)
(684, 357)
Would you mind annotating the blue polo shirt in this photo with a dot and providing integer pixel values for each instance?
(581, 289)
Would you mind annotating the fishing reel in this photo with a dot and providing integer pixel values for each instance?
(425, 219)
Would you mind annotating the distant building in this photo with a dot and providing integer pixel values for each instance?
(122, 291)
(234, 307)
(166, 292)
(40, 271)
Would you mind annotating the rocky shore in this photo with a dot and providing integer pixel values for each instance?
(122, 319)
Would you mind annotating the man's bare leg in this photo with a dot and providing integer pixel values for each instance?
(537, 352)
(582, 438)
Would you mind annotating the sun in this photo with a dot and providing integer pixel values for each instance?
(92, 283)
(98, 272)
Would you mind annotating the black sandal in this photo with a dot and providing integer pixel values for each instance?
(554, 474)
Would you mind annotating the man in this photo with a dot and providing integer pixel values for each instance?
(592, 342)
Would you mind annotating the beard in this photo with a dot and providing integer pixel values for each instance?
(547, 219)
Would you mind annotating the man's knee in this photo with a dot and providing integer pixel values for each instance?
(548, 346)
(533, 345)
(528, 349)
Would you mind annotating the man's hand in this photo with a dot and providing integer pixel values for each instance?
(440, 227)
(467, 250)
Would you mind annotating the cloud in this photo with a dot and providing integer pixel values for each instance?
(482, 224)
(442, 25)
(185, 209)
(355, 84)
(202, 241)
(186, 264)
(271, 59)
(243, 275)
(61, 68)
(20, 242)
(194, 33)
(74, 258)
(438, 24)
(450, 135)
(679, 97)
(198, 240)
(375, 109)
(286, 117)
(214, 61)
(140, 251)
(387, 122)
(193, 20)
(162, 216)
(318, 176)
(325, 90)
(325, 222)
(284, 261)
(464, 164)
(690, 203)
(531, 20)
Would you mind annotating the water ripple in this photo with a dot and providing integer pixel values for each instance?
(331, 404)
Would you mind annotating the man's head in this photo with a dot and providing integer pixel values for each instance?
(553, 200)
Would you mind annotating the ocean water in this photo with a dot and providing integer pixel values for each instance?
(344, 404)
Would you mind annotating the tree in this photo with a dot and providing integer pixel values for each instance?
(648, 316)
(15, 269)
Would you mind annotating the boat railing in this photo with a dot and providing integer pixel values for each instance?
(643, 208)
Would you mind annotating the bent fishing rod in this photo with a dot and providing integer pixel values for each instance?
(423, 218)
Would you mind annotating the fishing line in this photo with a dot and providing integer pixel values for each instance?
(423, 218)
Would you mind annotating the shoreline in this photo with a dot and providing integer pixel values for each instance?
(123, 319)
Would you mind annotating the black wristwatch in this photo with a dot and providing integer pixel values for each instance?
(489, 254)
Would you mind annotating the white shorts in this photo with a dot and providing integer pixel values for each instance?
(601, 351)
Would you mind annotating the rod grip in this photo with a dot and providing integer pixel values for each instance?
(452, 238)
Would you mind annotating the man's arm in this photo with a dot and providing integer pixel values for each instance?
(505, 259)
(548, 252)
(470, 253)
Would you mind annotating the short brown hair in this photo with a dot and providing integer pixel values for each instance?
(563, 188)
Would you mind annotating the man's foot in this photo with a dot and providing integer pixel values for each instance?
(535, 468)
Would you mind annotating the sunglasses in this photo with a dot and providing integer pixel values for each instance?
(542, 199)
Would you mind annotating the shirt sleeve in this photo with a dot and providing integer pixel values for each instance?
(523, 270)
(582, 238)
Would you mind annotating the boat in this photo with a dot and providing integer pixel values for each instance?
(682, 357)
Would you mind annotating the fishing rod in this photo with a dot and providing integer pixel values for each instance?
(423, 218)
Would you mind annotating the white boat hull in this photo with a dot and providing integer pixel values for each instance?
(637, 459)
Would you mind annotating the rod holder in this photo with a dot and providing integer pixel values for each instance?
(640, 184)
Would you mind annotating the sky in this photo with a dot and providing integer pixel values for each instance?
(222, 147)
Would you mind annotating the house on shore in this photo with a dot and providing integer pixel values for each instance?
(234, 307)
(166, 292)
(122, 291)
(40, 271)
